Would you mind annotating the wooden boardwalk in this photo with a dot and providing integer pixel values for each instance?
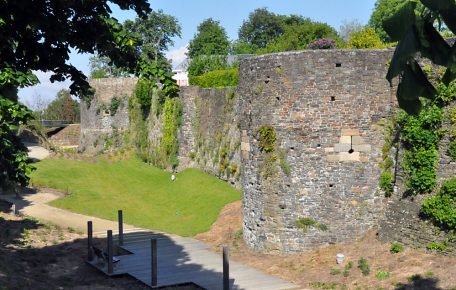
(182, 260)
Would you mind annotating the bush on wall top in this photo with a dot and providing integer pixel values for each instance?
(216, 79)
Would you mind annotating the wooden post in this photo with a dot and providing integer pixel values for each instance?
(13, 209)
(89, 241)
(110, 248)
(120, 219)
(226, 269)
(153, 261)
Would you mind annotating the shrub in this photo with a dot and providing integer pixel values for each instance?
(306, 222)
(380, 275)
(436, 246)
(347, 269)
(363, 266)
(452, 150)
(441, 207)
(365, 38)
(396, 248)
(323, 43)
(387, 182)
(267, 137)
(216, 78)
(114, 106)
(335, 271)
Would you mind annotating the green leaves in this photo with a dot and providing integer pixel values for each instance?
(399, 23)
(441, 207)
(14, 165)
(417, 34)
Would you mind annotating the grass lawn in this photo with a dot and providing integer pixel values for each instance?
(147, 196)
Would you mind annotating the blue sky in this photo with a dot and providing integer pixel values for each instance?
(231, 14)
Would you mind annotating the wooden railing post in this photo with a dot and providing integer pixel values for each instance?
(226, 269)
(110, 253)
(89, 241)
(153, 261)
(120, 219)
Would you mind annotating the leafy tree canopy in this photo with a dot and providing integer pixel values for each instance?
(210, 39)
(63, 108)
(263, 26)
(102, 67)
(415, 30)
(155, 33)
(38, 35)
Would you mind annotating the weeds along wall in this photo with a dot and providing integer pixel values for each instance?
(105, 119)
(311, 138)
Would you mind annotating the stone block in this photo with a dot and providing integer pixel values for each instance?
(333, 158)
(350, 132)
(298, 116)
(364, 158)
(345, 139)
(357, 140)
(245, 146)
(362, 148)
(347, 157)
(244, 133)
(329, 150)
(356, 189)
(342, 147)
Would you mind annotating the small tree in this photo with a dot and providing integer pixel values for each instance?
(63, 108)
(208, 48)
(365, 38)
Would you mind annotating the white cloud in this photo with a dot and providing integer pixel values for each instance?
(177, 55)
(45, 89)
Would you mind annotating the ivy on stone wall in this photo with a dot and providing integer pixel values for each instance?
(441, 207)
(420, 137)
(172, 119)
(267, 143)
(387, 175)
(167, 115)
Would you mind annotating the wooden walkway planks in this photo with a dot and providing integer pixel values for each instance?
(183, 260)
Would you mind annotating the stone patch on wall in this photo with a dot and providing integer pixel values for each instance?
(324, 107)
(209, 136)
(101, 128)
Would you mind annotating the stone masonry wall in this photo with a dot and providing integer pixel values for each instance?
(209, 137)
(101, 128)
(326, 107)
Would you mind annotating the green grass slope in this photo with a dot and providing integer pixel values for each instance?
(147, 196)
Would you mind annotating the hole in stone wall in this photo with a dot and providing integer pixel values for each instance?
(331, 185)
(338, 64)
(267, 80)
(282, 206)
(291, 148)
(278, 98)
(351, 151)
(333, 98)
(318, 145)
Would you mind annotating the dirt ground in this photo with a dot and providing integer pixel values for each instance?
(317, 269)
